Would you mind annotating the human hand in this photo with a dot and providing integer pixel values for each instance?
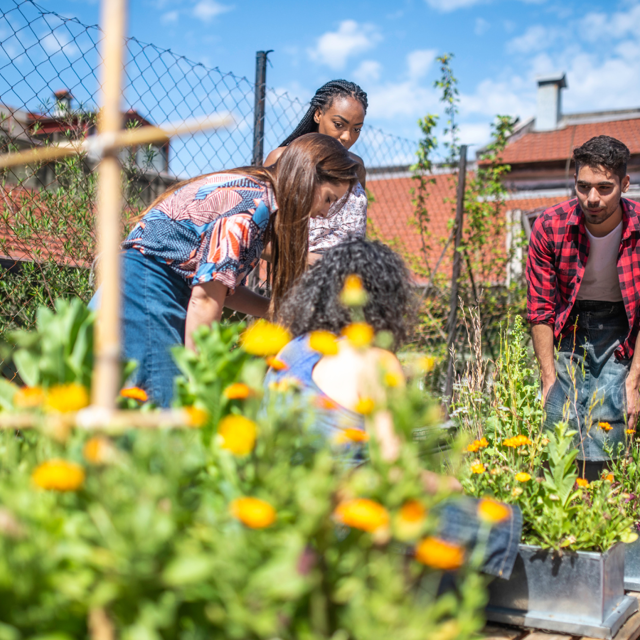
(631, 387)
(547, 383)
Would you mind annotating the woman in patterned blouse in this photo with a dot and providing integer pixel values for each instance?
(190, 253)
(337, 110)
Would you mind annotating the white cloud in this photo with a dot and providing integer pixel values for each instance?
(58, 41)
(474, 133)
(169, 17)
(535, 38)
(207, 10)
(481, 27)
(596, 25)
(369, 70)
(419, 62)
(335, 47)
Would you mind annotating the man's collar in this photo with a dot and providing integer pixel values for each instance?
(630, 217)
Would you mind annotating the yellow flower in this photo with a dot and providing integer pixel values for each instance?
(323, 342)
(359, 334)
(523, 477)
(353, 293)
(630, 432)
(264, 338)
(237, 391)
(516, 441)
(605, 426)
(136, 393)
(362, 513)
(477, 467)
(195, 417)
(365, 406)
(439, 554)
(98, 450)
(492, 511)
(516, 491)
(253, 512)
(238, 434)
(58, 475)
(426, 363)
(393, 379)
(409, 520)
(478, 444)
(351, 434)
(28, 397)
(275, 364)
(66, 398)
(582, 482)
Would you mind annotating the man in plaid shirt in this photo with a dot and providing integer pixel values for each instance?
(583, 273)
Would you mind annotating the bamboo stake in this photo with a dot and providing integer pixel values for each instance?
(104, 143)
(106, 373)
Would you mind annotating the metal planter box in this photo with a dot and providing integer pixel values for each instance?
(632, 566)
(580, 593)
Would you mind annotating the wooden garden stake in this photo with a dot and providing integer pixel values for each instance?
(106, 374)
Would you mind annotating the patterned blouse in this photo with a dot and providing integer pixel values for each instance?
(347, 217)
(210, 229)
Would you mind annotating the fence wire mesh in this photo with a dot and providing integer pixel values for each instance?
(49, 93)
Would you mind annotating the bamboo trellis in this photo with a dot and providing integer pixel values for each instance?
(106, 144)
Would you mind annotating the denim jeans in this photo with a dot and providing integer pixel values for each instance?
(153, 316)
(590, 380)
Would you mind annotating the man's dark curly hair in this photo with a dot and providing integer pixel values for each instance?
(314, 303)
(603, 151)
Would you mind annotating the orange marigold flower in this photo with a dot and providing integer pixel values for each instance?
(609, 477)
(58, 475)
(238, 434)
(253, 512)
(477, 444)
(98, 450)
(582, 482)
(516, 441)
(409, 520)
(195, 417)
(275, 364)
(67, 398)
(351, 434)
(324, 402)
(28, 397)
(477, 467)
(439, 554)
(605, 426)
(630, 432)
(523, 477)
(362, 513)
(365, 406)
(323, 342)
(359, 334)
(237, 391)
(264, 338)
(135, 393)
(492, 511)
(353, 293)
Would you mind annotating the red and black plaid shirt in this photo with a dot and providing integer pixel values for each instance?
(558, 254)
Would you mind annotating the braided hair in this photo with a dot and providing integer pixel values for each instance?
(323, 100)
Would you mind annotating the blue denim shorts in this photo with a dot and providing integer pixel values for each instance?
(153, 316)
(590, 380)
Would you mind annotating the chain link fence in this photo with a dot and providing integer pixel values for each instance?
(49, 92)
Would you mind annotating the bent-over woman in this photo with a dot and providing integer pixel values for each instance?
(190, 253)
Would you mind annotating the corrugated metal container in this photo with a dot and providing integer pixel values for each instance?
(580, 593)
(632, 566)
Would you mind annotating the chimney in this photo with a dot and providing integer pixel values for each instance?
(63, 100)
(549, 107)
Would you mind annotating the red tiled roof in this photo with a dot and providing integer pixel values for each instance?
(548, 146)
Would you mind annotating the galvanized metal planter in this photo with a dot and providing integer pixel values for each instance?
(632, 566)
(580, 593)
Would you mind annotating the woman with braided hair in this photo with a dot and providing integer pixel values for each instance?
(337, 109)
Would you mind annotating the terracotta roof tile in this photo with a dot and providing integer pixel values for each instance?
(559, 145)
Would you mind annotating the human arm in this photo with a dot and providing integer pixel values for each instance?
(247, 301)
(631, 387)
(273, 157)
(311, 256)
(205, 307)
(542, 335)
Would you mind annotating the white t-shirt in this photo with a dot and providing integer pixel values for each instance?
(600, 280)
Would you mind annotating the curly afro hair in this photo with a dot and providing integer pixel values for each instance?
(314, 303)
(603, 151)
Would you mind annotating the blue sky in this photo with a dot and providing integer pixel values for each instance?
(500, 46)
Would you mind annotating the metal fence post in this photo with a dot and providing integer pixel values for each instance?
(259, 107)
(455, 275)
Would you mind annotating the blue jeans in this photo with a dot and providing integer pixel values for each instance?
(153, 316)
(590, 380)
